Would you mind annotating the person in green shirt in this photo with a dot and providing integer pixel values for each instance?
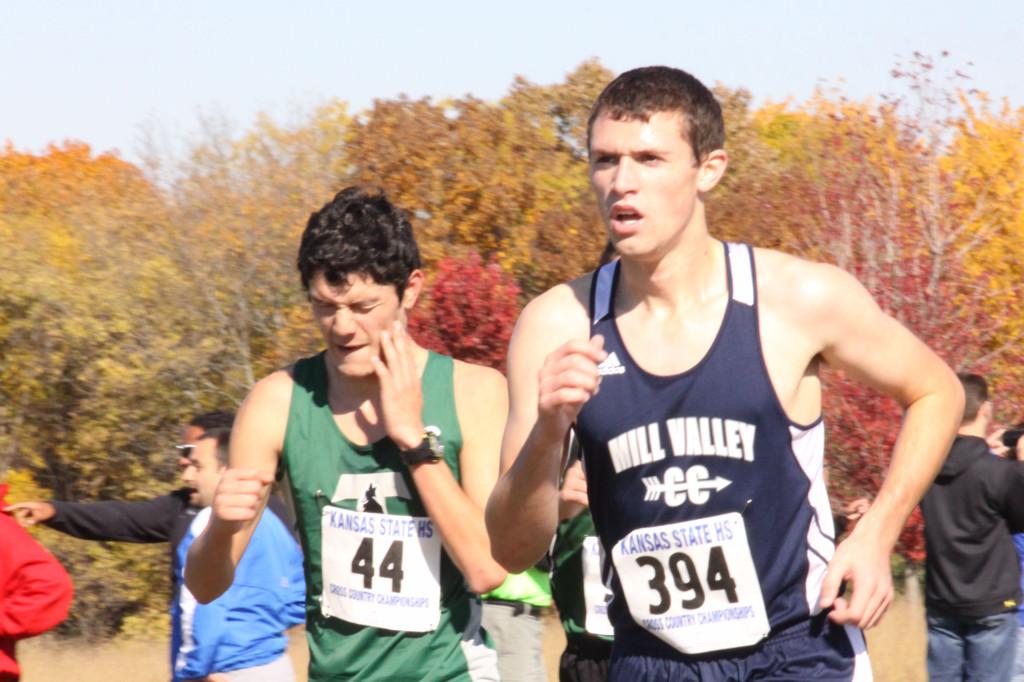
(390, 452)
(577, 584)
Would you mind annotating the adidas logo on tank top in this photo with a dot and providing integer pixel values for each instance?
(611, 365)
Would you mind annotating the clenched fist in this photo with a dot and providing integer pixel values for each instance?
(238, 496)
(567, 380)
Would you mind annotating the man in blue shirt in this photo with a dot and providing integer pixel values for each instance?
(240, 635)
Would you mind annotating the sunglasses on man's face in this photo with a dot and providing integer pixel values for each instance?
(185, 450)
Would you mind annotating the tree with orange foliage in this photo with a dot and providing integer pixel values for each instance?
(882, 191)
(507, 179)
(95, 374)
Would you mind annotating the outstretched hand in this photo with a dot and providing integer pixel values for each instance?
(30, 513)
(401, 396)
(854, 510)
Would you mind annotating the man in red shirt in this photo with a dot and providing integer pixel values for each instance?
(35, 590)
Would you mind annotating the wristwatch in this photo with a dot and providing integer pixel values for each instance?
(430, 449)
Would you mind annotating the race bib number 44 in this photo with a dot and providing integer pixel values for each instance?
(381, 570)
(693, 584)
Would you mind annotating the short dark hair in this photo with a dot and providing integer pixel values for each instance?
(223, 436)
(218, 419)
(359, 233)
(640, 93)
(975, 395)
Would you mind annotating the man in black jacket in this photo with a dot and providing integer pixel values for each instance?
(159, 519)
(972, 583)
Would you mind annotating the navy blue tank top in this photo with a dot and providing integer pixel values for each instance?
(680, 467)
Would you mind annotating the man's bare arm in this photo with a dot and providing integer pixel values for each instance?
(871, 347)
(256, 443)
(457, 510)
(552, 373)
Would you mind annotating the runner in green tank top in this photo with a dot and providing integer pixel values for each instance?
(390, 453)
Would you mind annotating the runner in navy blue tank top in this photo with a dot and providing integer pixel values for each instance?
(704, 445)
(734, 531)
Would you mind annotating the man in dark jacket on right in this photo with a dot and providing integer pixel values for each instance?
(972, 584)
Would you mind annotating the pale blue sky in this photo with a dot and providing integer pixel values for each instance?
(98, 70)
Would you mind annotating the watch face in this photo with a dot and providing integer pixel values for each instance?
(433, 437)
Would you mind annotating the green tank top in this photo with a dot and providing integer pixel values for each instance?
(567, 572)
(324, 470)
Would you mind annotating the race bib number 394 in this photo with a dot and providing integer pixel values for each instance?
(693, 584)
(381, 570)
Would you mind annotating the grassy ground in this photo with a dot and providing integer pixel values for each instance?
(897, 649)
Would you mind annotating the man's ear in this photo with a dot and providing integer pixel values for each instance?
(711, 170)
(413, 289)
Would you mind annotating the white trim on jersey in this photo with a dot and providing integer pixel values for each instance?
(809, 448)
(861, 662)
(186, 601)
(742, 273)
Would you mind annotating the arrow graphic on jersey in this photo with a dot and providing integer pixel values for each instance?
(678, 486)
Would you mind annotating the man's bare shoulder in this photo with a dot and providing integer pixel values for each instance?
(481, 403)
(273, 390)
(561, 310)
(802, 289)
(259, 432)
(476, 380)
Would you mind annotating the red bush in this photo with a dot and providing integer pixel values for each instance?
(470, 311)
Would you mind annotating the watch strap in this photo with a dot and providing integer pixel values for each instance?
(429, 449)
